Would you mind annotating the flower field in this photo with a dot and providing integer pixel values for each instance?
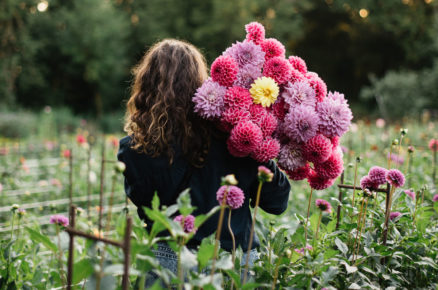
(342, 246)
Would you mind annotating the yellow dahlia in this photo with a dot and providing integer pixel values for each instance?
(264, 91)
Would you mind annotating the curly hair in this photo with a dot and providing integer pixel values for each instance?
(160, 109)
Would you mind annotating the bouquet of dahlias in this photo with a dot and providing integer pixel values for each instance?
(272, 107)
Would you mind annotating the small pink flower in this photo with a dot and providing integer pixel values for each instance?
(433, 144)
(394, 214)
(59, 220)
(410, 193)
(187, 223)
(435, 198)
(265, 174)
(234, 196)
(380, 123)
(377, 175)
(302, 250)
(80, 139)
(66, 153)
(323, 205)
(395, 177)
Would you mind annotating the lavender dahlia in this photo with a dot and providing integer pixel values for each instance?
(235, 196)
(246, 53)
(377, 175)
(335, 118)
(301, 123)
(209, 99)
(187, 223)
(291, 157)
(59, 220)
(395, 177)
(247, 75)
(299, 93)
(394, 214)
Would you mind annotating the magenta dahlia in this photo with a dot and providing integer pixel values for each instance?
(395, 177)
(278, 68)
(296, 76)
(331, 168)
(299, 93)
(433, 144)
(238, 97)
(317, 149)
(209, 99)
(299, 173)
(59, 219)
(268, 124)
(317, 182)
(377, 175)
(268, 149)
(224, 70)
(337, 97)
(280, 108)
(393, 215)
(323, 205)
(234, 196)
(246, 53)
(298, 63)
(247, 75)
(255, 32)
(257, 113)
(301, 123)
(367, 183)
(335, 118)
(186, 222)
(435, 198)
(234, 115)
(244, 138)
(272, 48)
(410, 193)
(291, 157)
(318, 85)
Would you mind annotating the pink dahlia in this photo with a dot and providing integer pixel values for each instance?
(337, 97)
(59, 220)
(318, 85)
(323, 205)
(433, 144)
(255, 32)
(272, 48)
(317, 182)
(298, 63)
(234, 115)
(335, 118)
(291, 157)
(296, 76)
(435, 198)
(80, 139)
(299, 93)
(410, 193)
(280, 108)
(301, 123)
(395, 177)
(187, 223)
(268, 124)
(238, 97)
(246, 53)
(299, 173)
(335, 141)
(317, 149)
(377, 175)
(265, 174)
(244, 138)
(234, 196)
(247, 75)
(278, 68)
(209, 99)
(367, 183)
(393, 215)
(224, 70)
(303, 250)
(331, 168)
(268, 149)
(257, 113)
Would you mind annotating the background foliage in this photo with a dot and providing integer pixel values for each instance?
(78, 54)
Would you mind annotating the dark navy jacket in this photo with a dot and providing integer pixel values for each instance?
(145, 175)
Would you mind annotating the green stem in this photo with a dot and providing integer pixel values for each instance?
(251, 235)
(317, 228)
(307, 218)
(180, 272)
(12, 225)
(233, 253)
(354, 183)
(60, 264)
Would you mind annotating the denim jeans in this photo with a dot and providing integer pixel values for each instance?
(168, 259)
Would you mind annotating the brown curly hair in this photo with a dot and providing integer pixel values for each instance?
(160, 110)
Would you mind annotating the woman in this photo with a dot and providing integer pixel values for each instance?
(169, 148)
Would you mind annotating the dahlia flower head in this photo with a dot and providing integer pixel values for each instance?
(59, 219)
(433, 145)
(232, 195)
(186, 222)
(395, 177)
(272, 106)
(323, 205)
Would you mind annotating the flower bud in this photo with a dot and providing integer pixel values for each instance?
(411, 149)
(395, 142)
(289, 253)
(230, 179)
(14, 207)
(403, 131)
(265, 175)
(119, 167)
(358, 159)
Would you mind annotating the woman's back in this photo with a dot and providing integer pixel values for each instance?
(146, 175)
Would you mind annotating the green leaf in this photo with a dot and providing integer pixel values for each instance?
(350, 269)
(155, 202)
(81, 270)
(341, 246)
(184, 203)
(39, 238)
(314, 221)
(205, 253)
(236, 277)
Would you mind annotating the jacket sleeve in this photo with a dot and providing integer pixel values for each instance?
(274, 195)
